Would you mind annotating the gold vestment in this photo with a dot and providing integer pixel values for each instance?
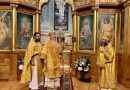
(106, 63)
(51, 53)
(33, 52)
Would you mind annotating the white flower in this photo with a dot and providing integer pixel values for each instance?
(80, 68)
(80, 64)
(83, 63)
(76, 65)
(88, 64)
(20, 67)
(86, 69)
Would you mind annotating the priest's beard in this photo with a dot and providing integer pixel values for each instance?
(37, 40)
(104, 43)
(54, 41)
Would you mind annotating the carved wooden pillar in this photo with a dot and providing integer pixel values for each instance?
(125, 73)
(37, 21)
(95, 27)
(74, 17)
(13, 59)
(34, 23)
(14, 13)
(75, 29)
(94, 68)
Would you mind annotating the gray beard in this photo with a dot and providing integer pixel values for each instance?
(54, 42)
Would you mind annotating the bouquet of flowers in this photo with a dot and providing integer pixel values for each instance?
(82, 64)
(20, 63)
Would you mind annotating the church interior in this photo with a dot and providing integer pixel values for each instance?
(79, 24)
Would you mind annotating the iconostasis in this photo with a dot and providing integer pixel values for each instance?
(18, 22)
(92, 18)
(70, 19)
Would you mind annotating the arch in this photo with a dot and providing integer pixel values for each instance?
(43, 2)
(70, 3)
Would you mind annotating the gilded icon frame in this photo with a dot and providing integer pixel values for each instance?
(7, 44)
(90, 20)
(107, 15)
(32, 26)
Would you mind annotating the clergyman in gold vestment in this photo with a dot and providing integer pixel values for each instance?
(106, 63)
(51, 53)
(32, 69)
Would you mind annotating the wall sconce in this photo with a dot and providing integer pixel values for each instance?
(73, 39)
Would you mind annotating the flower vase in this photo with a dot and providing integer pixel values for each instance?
(82, 76)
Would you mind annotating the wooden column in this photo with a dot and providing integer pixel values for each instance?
(95, 28)
(37, 21)
(75, 20)
(74, 17)
(34, 23)
(94, 68)
(13, 58)
(14, 14)
(125, 73)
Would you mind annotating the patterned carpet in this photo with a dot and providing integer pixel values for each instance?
(67, 80)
